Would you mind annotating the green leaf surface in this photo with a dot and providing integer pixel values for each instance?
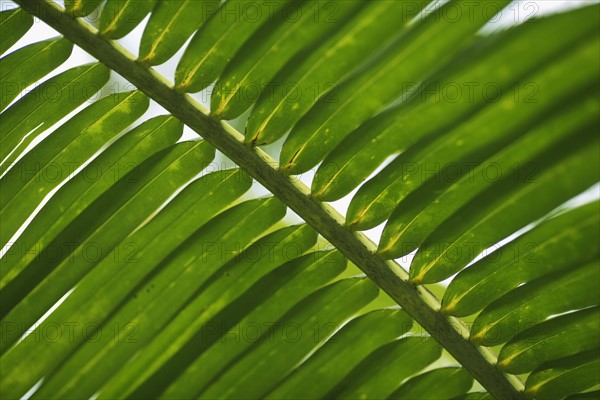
(113, 280)
(239, 328)
(45, 105)
(14, 24)
(81, 8)
(119, 17)
(559, 337)
(25, 66)
(505, 208)
(79, 193)
(341, 353)
(162, 296)
(216, 43)
(92, 236)
(441, 383)
(312, 75)
(270, 361)
(556, 244)
(453, 154)
(453, 96)
(533, 302)
(223, 288)
(422, 211)
(267, 51)
(563, 377)
(475, 396)
(592, 395)
(391, 364)
(328, 122)
(61, 154)
(171, 23)
(182, 217)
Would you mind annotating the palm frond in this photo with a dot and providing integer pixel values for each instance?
(133, 269)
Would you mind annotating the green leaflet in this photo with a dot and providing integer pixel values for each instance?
(271, 360)
(341, 353)
(43, 168)
(441, 383)
(223, 288)
(559, 337)
(454, 96)
(80, 192)
(390, 365)
(566, 376)
(161, 297)
(266, 52)
(119, 17)
(14, 24)
(116, 276)
(45, 105)
(455, 153)
(422, 211)
(558, 243)
(475, 396)
(183, 217)
(220, 341)
(312, 75)
(357, 99)
(81, 8)
(593, 395)
(171, 24)
(146, 246)
(25, 66)
(533, 302)
(216, 43)
(505, 208)
(93, 235)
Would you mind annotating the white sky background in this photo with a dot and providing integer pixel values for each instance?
(517, 12)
